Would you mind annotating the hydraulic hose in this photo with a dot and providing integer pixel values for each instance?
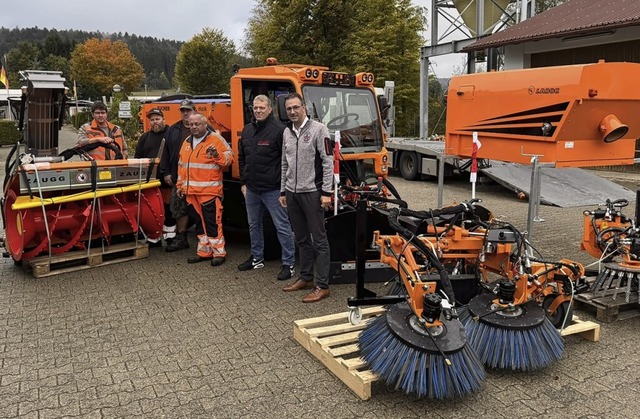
(435, 262)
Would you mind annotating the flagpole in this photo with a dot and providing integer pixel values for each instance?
(75, 96)
(6, 72)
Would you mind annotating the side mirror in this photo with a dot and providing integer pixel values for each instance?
(282, 110)
(383, 104)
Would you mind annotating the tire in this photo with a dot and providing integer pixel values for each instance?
(408, 165)
(558, 317)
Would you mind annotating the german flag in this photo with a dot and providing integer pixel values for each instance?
(3, 78)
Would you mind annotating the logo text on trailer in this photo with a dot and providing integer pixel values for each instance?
(543, 90)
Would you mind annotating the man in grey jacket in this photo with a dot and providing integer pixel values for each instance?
(305, 190)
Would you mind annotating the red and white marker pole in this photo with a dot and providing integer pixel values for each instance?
(473, 177)
(336, 171)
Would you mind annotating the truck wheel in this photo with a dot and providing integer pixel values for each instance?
(408, 165)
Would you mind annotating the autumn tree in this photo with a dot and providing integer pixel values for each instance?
(204, 63)
(382, 36)
(97, 65)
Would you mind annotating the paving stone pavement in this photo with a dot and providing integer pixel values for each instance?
(159, 338)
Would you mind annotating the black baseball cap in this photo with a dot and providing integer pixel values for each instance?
(186, 104)
(155, 111)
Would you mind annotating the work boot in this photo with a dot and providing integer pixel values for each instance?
(217, 261)
(179, 243)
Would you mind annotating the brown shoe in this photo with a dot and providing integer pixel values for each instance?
(316, 295)
(298, 285)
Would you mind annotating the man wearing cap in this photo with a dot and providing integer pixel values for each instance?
(149, 147)
(176, 134)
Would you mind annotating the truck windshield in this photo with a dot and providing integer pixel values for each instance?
(352, 111)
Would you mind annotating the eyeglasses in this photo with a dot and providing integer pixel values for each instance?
(293, 108)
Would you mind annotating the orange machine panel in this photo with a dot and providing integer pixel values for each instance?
(572, 116)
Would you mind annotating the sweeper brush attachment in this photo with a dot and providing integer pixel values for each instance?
(519, 337)
(418, 345)
(435, 362)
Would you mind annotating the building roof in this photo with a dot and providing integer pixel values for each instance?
(575, 17)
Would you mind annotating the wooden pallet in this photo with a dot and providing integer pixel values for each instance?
(43, 266)
(334, 342)
(607, 309)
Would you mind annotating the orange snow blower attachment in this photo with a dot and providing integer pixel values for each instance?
(51, 205)
(573, 116)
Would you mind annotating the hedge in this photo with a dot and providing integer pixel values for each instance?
(9, 133)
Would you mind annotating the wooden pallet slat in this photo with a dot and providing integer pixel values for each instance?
(43, 266)
(585, 329)
(333, 341)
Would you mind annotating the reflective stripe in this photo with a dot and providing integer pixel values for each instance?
(228, 155)
(209, 166)
(196, 184)
(138, 162)
(204, 248)
(216, 241)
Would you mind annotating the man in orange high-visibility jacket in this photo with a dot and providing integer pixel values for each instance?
(203, 156)
(100, 130)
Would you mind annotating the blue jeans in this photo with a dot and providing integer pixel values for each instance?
(256, 203)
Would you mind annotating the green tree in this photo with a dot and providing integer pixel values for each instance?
(308, 31)
(387, 42)
(380, 36)
(26, 56)
(57, 63)
(542, 5)
(97, 65)
(437, 108)
(204, 63)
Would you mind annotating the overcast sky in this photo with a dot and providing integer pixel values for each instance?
(170, 19)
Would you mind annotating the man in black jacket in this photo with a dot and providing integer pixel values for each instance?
(259, 158)
(148, 147)
(169, 172)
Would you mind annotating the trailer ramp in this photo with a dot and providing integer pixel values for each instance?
(561, 187)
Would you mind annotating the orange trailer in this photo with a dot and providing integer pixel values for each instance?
(572, 116)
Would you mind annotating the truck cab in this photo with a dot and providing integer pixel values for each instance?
(345, 103)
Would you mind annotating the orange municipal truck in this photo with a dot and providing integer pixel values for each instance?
(345, 103)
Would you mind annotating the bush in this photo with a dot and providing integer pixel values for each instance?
(81, 118)
(131, 128)
(9, 133)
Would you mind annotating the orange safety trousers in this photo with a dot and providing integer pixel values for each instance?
(211, 241)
